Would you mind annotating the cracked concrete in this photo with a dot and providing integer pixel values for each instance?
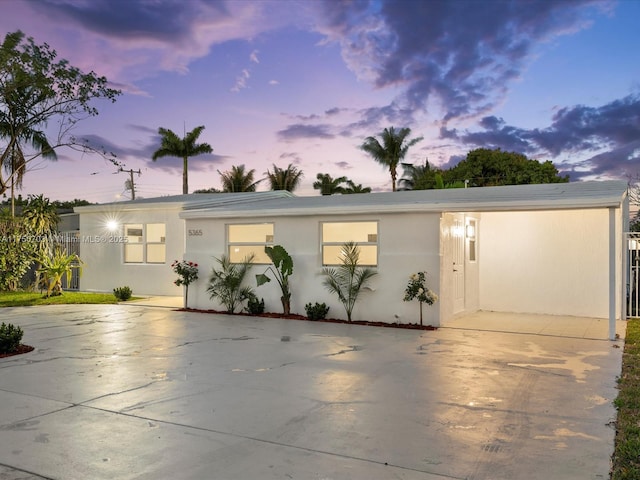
(134, 392)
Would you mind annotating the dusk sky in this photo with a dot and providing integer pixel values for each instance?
(305, 82)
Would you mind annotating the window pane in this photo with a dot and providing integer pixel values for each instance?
(237, 253)
(156, 232)
(256, 233)
(156, 253)
(331, 255)
(361, 232)
(133, 232)
(133, 253)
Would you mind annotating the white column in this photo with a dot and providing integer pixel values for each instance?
(612, 273)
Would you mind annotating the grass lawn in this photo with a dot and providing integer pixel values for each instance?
(626, 455)
(21, 299)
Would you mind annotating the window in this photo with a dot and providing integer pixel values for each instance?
(145, 243)
(471, 236)
(335, 235)
(246, 239)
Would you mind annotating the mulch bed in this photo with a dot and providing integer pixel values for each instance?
(293, 316)
(18, 351)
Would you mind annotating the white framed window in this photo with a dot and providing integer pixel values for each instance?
(471, 233)
(248, 238)
(336, 234)
(145, 243)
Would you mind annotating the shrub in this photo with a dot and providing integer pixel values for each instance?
(283, 269)
(10, 338)
(255, 306)
(226, 284)
(122, 293)
(316, 312)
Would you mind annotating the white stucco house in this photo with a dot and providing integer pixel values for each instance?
(555, 249)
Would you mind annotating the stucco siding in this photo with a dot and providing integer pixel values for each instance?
(102, 252)
(407, 242)
(551, 262)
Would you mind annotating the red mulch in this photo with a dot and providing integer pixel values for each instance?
(293, 316)
(18, 351)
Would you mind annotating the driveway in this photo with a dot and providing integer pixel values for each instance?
(134, 392)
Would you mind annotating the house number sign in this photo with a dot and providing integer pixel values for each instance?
(195, 232)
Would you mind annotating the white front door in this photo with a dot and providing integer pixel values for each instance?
(457, 248)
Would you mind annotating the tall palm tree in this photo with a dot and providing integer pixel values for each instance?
(391, 151)
(353, 188)
(328, 185)
(284, 179)
(238, 180)
(174, 146)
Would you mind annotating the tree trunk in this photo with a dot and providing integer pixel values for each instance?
(185, 176)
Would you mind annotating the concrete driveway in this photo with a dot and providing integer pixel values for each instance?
(133, 392)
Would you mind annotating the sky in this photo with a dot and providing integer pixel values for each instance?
(279, 82)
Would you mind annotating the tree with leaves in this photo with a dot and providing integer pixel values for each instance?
(329, 185)
(284, 178)
(239, 180)
(485, 167)
(36, 88)
(418, 177)
(391, 151)
(173, 146)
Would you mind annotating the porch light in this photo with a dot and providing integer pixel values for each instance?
(471, 231)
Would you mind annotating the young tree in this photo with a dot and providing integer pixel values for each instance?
(353, 188)
(329, 185)
(284, 179)
(173, 146)
(35, 89)
(238, 179)
(418, 177)
(391, 151)
(282, 270)
(349, 278)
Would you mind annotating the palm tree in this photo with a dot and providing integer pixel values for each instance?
(328, 185)
(174, 146)
(13, 159)
(392, 150)
(238, 180)
(353, 188)
(418, 177)
(284, 179)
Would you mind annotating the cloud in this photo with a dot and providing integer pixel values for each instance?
(274, 82)
(301, 131)
(241, 81)
(459, 56)
(610, 131)
(343, 165)
(254, 56)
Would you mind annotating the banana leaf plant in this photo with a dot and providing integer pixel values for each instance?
(282, 269)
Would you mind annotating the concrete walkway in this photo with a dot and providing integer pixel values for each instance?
(133, 392)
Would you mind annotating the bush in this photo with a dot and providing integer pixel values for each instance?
(122, 293)
(316, 312)
(255, 306)
(10, 338)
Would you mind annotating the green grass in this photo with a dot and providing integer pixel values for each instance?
(626, 455)
(22, 299)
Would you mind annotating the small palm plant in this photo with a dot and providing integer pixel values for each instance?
(226, 284)
(348, 279)
(57, 265)
(283, 269)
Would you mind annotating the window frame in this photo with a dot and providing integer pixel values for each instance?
(144, 243)
(256, 246)
(340, 243)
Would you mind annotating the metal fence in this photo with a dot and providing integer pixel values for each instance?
(70, 241)
(633, 285)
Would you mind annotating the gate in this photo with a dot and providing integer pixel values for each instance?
(633, 269)
(70, 241)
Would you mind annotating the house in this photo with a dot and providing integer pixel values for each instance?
(556, 249)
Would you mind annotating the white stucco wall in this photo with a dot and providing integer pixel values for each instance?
(551, 262)
(408, 242)
(102, 252)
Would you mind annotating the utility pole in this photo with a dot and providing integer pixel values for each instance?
(132, 185)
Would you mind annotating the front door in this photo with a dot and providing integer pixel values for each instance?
(457, 249)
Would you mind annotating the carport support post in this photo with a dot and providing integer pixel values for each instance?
(612, 273)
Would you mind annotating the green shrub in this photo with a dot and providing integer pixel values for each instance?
(316, 312)
(255, 306)
(10, 337)
(122, 293)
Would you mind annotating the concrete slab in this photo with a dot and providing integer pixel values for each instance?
(125, 391)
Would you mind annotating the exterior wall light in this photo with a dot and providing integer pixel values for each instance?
(471, 231)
